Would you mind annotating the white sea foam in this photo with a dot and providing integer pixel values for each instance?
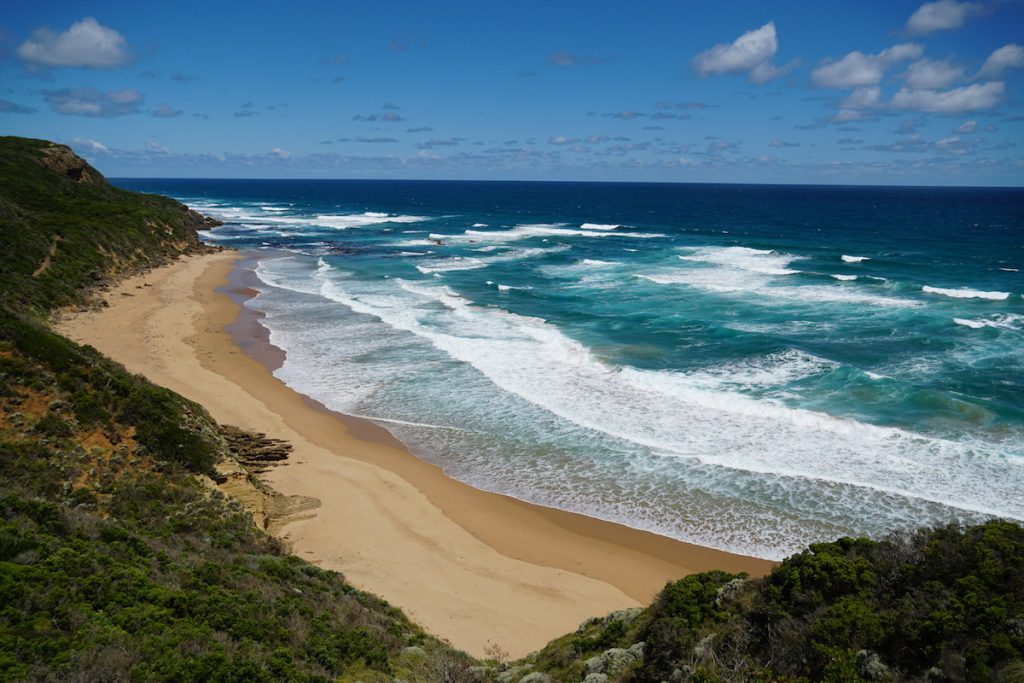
(413, 243)
(763, 261)
(855, 259)
(275, 208)
(1011, 270)
(744, 271)
(1005, 321)
(529, 230)
(474, 262)
(479, 225)
(599, 226)
(346, 221)
(450, 264)
(699, 422)
(598, 262)
(845, 278)
(965, 293)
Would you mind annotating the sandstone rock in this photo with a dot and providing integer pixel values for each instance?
(60, 159)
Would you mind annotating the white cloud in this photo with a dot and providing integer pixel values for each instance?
(968, 98)
(864, 97)
(1007, 57)
(166, 111)
(84, 144)
(751, 52)
(966, 127)
(857, 69)
(766, 71)
(278, 153)
(941, 15)
(86, 44)
(846, 115)
(89, 102)
(926, 74)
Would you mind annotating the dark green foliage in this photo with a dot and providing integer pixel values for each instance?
(946, 602)
(139, 572)
(94, 230)
(166, 424)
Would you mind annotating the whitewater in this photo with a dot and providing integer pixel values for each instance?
(681, 359)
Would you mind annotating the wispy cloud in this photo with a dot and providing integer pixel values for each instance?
(857, 69)
(448, 142)
(943, 15)
(166, 111)
(90, 102)
(377, 140)
(1007, 57)
(8, 107)
(420, 129)
(86, 43)
(670, 104)
(572, 59)
(388, 117)
(333, 60)
(958, 100)
(926, 74)
(245, 111)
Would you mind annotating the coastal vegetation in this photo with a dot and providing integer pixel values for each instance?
(121, 560)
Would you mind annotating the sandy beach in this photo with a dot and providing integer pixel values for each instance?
(473, 567)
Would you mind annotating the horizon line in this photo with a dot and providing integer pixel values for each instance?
(573, 182)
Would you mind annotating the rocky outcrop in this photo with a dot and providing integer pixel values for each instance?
(61, 159)
(255, 451)
(251, 454)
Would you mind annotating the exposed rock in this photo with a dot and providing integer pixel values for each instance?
(255, 451)
(596, 678)
(61, 159)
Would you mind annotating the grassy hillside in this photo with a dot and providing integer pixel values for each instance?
(66, 229)
(120, 560)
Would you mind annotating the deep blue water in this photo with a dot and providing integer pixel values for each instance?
(747, 367)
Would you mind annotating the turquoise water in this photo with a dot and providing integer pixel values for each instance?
(749, 368)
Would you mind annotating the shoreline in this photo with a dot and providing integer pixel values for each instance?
(450, 555)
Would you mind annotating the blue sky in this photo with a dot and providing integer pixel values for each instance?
(810, 92)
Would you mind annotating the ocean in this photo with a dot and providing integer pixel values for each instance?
(750, 368)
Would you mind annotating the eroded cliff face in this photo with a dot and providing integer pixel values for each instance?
(61, 159)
